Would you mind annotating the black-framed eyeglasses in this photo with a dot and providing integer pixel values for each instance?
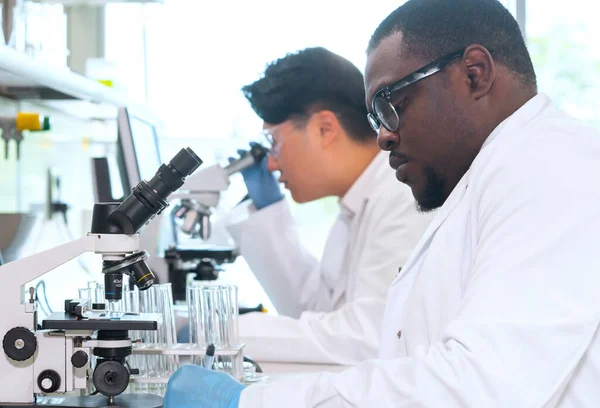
(382, 110)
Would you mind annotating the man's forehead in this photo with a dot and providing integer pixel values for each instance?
(387, 63)
(272, 129)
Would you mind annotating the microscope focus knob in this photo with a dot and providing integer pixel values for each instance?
(110, 378)
(19, 343)
(48, 381)
(79, 359)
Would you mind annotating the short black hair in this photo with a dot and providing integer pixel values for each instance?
(434, 28)
(310, 80)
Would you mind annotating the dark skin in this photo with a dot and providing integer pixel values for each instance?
(445, 118)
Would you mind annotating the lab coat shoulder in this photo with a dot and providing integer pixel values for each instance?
(549, 150)
(531, 287)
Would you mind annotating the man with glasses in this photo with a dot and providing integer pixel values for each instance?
(504, 311)
(312, 105)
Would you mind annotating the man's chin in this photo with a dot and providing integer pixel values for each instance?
(423, 208)
(302, 197)
(420, 200)
(429, 191)
(428, 202)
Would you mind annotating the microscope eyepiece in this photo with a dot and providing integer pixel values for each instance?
(256, 154)
(148, 198)
(185, 162)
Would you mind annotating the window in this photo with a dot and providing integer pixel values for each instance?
(563, 42)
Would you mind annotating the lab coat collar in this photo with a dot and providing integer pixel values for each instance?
(525, 114)
(353, 201)
(441, 214)
(528, 112)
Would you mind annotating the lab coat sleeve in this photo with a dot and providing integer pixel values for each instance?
(345, 336)
(351, 333)
(269, 242)
(530, 309)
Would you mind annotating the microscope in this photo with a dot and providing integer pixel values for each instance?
(43, 361)
(198, 196)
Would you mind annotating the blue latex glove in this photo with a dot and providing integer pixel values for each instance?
(183, 335)
(263, 187)
(196, 387)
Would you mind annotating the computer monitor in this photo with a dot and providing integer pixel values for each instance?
(138, 153)
(137, 158)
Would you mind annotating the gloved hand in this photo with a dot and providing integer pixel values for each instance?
(183, 335)
(196, 387)
(262, 186)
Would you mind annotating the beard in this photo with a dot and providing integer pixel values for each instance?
(433, 195)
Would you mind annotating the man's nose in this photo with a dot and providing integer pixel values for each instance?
(387, 140)
(272, 164)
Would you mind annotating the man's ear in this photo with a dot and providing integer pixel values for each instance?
(327, 125)
(480, 69)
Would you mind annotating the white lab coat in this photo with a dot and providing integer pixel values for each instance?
(339, 301)
(505, 307)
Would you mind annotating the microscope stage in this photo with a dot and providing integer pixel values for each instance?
(218, 253)
(102, 321)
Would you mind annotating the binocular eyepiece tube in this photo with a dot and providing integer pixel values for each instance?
(148, 199)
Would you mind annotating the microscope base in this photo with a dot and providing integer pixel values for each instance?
(96, 401)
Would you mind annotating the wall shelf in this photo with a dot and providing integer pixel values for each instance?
(22, 78)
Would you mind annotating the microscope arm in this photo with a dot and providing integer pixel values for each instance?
(205, 186)
(17, 273)
(212, 179)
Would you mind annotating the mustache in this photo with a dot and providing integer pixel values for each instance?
(399, 156)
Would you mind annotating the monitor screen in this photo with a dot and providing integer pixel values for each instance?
(145, 144)
(139, 156)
